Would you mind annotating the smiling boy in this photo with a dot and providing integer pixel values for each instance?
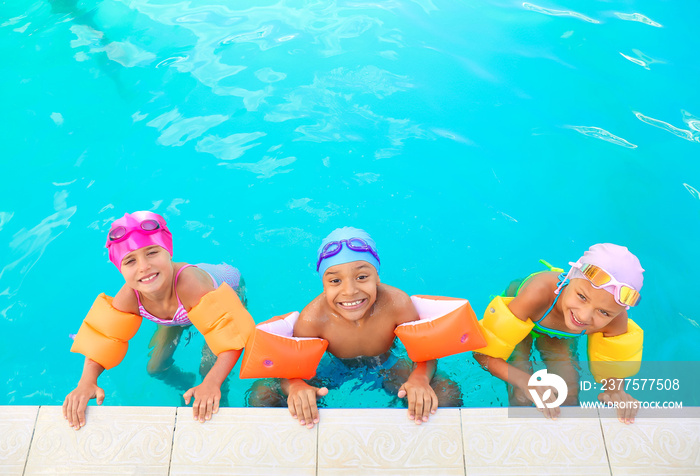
(357, 314)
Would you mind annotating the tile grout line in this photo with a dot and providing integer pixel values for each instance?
(172, 444)
(605, 444)
(317, 444)
(31, 441)
(464, 448)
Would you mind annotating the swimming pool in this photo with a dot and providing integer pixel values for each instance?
(470, 139)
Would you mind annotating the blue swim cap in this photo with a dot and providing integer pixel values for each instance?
(346, 254)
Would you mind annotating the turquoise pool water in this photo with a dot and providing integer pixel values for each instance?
(469, 138)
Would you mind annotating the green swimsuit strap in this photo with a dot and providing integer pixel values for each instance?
(563, 281)
(549, 268)
(539, 327)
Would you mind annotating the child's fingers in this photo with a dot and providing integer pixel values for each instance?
(71, 414)
(296, 408)
(197, 412)
(188, 396)
(99, 396)
(314, 413)
(626, 414)
(420, 404)
(76, 413)
(203, 409)
(402, 392)
(433, 401)
(307, 410)
(209, 409)
(292, 407)
(428, 400)
(81, 415)
(217, 400)
(75, 418)
(411, 405)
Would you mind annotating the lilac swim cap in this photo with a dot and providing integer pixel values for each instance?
(134, 231)
(351, 248)
(617, 260)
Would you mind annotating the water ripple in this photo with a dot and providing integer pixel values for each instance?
(265, 167)
(217, 28)
(230, 147)
(5, 217)
(285, 236)
(30, 246)
(268, 75)
(692, 190)
(331, 102)
(682, 133)
(641, 59)
(303, 204)
(692, 121)
(368, 79)
(13, 21)
(176, 129)
(87, 36)
(602, 134)
(558, 13)
(122, 52)
(126, 54)
(638, 17)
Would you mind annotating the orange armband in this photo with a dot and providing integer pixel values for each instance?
(105, 332)
(447, 326)
(273, 352)
(222, 319)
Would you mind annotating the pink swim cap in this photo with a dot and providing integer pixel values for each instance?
(617, 260)
(134, 231)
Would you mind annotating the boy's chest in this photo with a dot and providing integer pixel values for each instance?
(353, 341)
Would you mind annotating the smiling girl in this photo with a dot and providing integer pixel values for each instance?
(174, 296)
(551, 310)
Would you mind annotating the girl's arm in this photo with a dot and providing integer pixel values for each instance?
(192, 285)
(207, 394)
(531, 303)
(76, 402)
(516, 377)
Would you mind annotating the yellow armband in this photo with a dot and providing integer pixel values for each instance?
(618, 356)
(502, 329)
(222, 319)
(105, 332)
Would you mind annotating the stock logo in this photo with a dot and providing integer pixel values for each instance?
(542, 379)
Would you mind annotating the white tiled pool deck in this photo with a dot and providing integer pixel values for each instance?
(466, 441)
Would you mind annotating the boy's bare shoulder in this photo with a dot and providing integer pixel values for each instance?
(397, 303)
(312, 319)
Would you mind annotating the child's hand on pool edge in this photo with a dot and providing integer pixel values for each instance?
(625, 412)
(207, 396)
(422, 400)
(301, 401)
(76, 402)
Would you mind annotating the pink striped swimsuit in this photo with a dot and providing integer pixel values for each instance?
(225, 274)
